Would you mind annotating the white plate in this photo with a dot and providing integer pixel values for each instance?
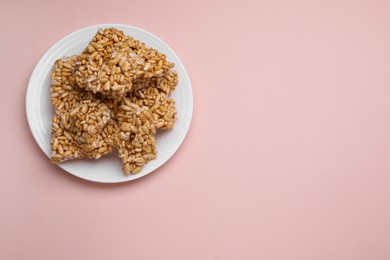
(108, 169)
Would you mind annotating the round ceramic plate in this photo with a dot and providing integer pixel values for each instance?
(107, 169)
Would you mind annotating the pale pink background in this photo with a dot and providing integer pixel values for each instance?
(287, 156)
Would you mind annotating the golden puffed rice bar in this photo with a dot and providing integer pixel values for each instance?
(114, 64)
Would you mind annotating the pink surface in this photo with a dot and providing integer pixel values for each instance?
(287, 156)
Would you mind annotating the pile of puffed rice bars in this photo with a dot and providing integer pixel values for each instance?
(114, 95)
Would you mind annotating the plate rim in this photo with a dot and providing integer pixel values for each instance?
(38, 65)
